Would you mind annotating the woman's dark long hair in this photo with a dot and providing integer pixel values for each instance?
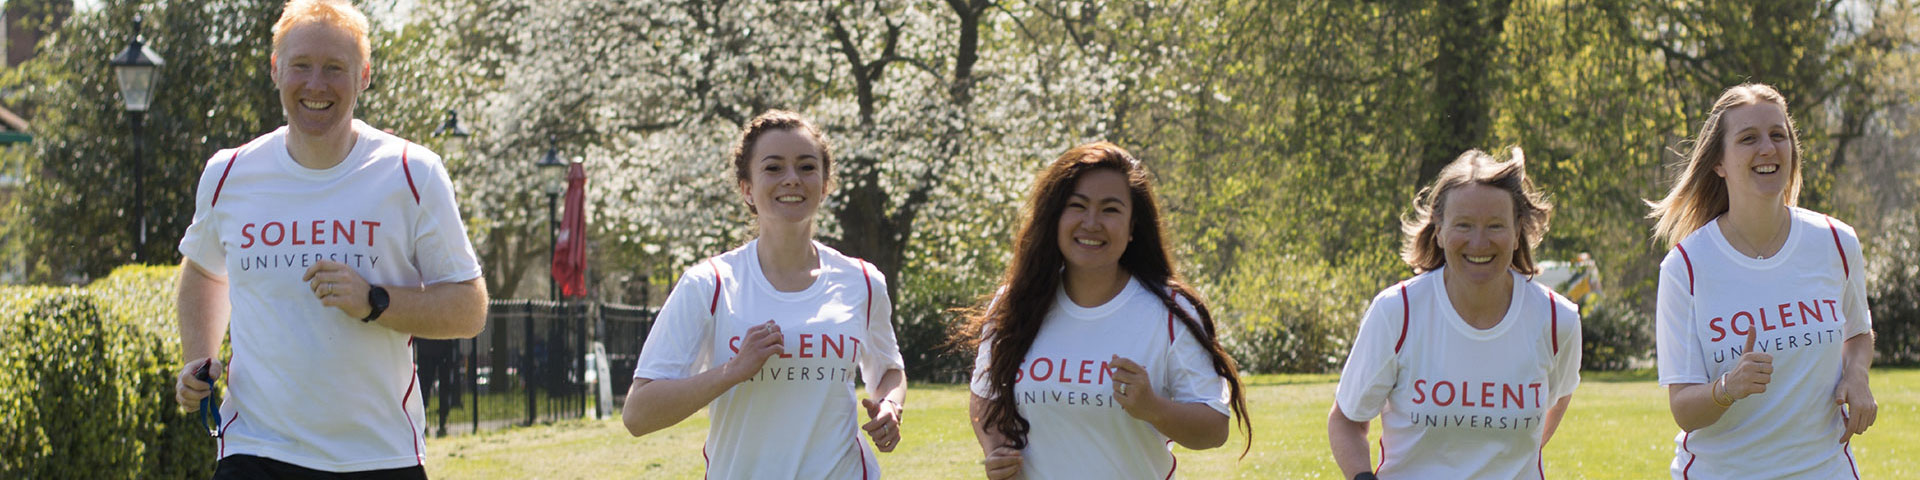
(1034, 277)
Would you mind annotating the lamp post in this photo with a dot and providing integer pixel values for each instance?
(455, 133)
(554, 169)
(136, 69)
(456, 140)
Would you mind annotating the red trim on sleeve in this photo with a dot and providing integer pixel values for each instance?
(1690, 456)
(857, 447)
(869, 279)
(223, 176)
(713, 307)
(223, 431)
(1406, 319)
(706, 464)
(1383, 453)
(1555, 308)
(1176, 460)
(1844, 268)
(413, 432)
(1846, 449)
(1689, 261)
(1170, 325)
(1540, 462)
(409, 172)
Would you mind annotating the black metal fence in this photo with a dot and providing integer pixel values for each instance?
(533, 363)
(624, 330)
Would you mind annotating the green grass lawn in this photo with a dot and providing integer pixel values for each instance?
(1618, 427)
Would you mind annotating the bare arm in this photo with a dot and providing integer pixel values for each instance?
(1554, 415)
(656, 404)
(201, 300)
(445, 310)
(1693, 404)
(1349, 441)
(1853, 391)
(441, 310)
(977, 410)
(893, 386)
(1192, 425)
(1002, 461)
(883, 415)
(203, 310)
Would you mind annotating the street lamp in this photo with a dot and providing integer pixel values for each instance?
(455, 140)
(555, 171)
(455, 133)
(136, 69)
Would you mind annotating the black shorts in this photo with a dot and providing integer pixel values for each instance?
(249, 467)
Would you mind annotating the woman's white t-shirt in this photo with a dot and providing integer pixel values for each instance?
(798, 417)
(1807, 300)
(1078, 429)
(1455, 401)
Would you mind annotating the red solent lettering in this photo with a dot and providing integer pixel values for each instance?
(812, 345)
(1444, 393)
(1744, 321)
(1064, 370)
(1811, 313)
(836, 343)
(346, 232)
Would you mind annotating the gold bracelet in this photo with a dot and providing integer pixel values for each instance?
(1719, 385)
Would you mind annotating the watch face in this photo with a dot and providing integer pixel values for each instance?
(377, 299)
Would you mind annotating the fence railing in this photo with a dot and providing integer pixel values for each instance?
(533, 363)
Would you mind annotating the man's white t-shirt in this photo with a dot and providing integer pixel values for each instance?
(1807, 300)
(1455, 401)
(798, 417)
(1078, 429)
(310, 385)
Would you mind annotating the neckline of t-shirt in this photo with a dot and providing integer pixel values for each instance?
(1459, 323)
(759, 277)
(355, 156)
(1104, 310)
(1718, 238)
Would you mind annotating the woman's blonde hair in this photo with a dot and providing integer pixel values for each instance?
(1700, 195)
(1421, 243)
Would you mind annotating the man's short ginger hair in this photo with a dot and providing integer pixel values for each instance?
(336, 13)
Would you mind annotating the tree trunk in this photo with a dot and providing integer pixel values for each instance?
(1468, 36)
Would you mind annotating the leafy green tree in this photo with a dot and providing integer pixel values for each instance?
(73, 216)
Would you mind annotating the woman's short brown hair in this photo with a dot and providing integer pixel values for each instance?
(1421, 244)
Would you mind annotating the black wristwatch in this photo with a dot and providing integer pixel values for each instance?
(376, 298)
(1365, 476)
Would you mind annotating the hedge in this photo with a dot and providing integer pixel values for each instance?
(86, 379)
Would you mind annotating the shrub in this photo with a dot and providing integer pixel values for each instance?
(1293, 317)
(1894, 292)
(86, 378)
(1614, 335)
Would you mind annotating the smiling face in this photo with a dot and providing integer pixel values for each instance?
(319, 72)
(1097, 222)
(1477, 232)
(1757, 158)
(786, 178)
